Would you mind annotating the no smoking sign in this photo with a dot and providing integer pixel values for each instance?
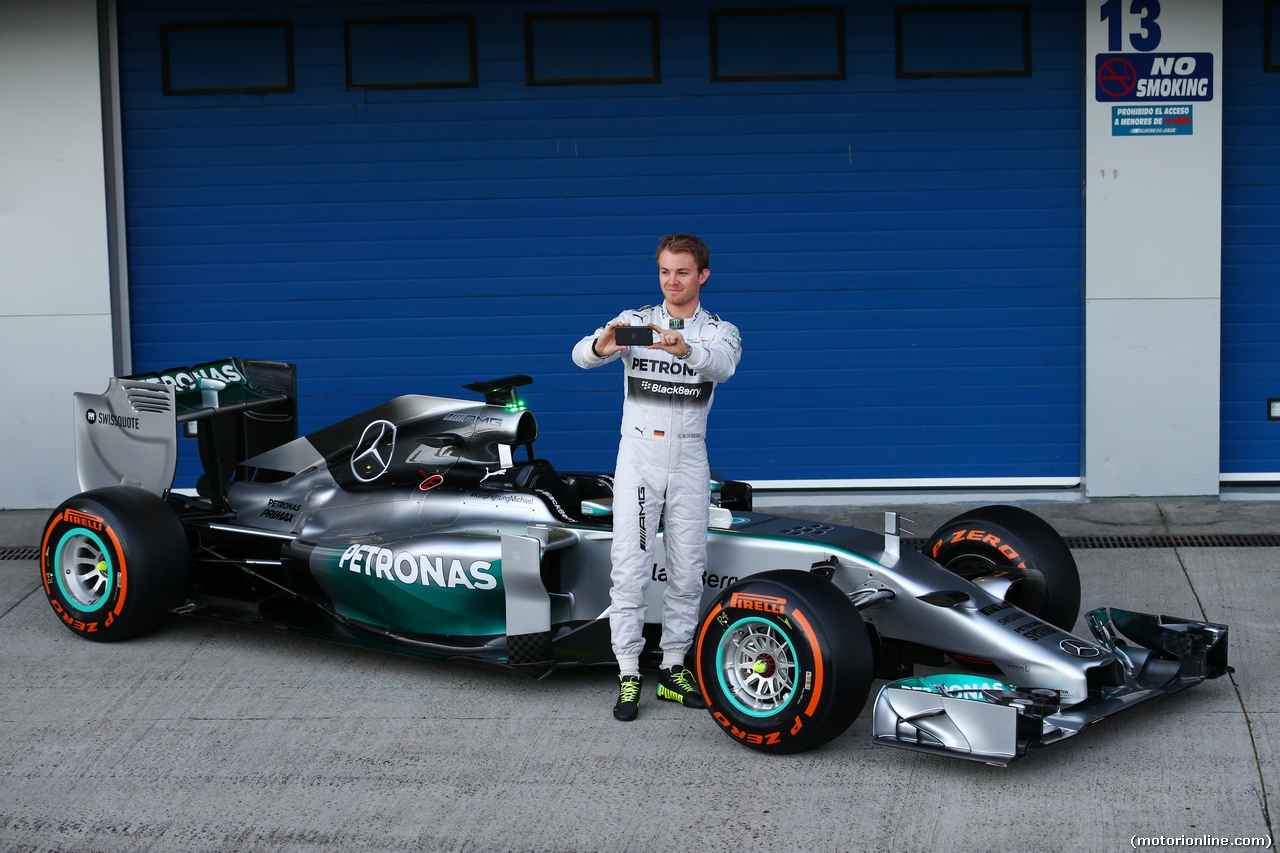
(1153, 77)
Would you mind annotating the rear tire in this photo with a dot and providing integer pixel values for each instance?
(784, 661)
(1010, 540)
(113, 563)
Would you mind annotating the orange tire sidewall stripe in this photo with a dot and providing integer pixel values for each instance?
(124, 576)
(44, 553)
(706, 623)
(817, 661)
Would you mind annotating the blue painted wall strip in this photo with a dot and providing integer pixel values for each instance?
(1250, 237)
(901, 255)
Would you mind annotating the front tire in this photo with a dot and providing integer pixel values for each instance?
(784, 661)
(1010, 540)
(113, 562)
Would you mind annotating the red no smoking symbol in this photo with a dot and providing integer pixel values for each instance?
(1117, 77)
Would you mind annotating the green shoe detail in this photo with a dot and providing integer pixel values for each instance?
(664, 693)
(679, 685)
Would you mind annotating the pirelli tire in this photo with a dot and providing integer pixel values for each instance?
(1010, 541)
(113, 563)
(784, 661)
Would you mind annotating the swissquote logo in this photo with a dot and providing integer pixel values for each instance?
(107, 419)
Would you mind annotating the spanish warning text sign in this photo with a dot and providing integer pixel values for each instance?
(1140, 120)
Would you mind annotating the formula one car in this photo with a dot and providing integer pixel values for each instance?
(428, 526)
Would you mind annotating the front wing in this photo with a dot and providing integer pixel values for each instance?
(983, 719)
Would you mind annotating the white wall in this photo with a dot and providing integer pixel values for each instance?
(55, 318)
(1153, 273)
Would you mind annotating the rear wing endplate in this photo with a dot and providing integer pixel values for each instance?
(127, 436)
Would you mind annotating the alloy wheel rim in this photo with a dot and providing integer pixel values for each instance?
(83, 569)
(756, 667)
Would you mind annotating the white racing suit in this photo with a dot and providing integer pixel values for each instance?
(662, 465)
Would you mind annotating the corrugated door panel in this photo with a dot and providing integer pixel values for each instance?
(902, 256)
(1250, 247)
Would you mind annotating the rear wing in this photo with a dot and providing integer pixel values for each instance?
(236, 408)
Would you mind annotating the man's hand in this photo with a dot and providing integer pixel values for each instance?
(607, 344)
(670, 341)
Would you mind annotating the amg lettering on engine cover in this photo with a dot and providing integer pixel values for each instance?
(473, 419)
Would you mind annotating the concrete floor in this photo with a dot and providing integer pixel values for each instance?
(206, 736)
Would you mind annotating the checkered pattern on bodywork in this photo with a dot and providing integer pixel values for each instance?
(529, 648)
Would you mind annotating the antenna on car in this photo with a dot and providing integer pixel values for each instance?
(502, 392)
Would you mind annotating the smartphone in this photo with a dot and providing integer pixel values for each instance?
(633, 336)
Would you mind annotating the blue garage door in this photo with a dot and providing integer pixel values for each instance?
(1250, 247)
(901, 255)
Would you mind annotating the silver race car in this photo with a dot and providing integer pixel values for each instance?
(428, 526)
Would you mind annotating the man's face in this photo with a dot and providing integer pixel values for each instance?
(680, 277)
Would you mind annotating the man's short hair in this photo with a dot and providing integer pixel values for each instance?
(676, 243)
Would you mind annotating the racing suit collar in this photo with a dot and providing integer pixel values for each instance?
(666, 315)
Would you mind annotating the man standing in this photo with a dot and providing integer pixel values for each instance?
(662, 470)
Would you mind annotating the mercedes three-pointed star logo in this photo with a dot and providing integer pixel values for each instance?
(1079, 649)
(372, 456)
